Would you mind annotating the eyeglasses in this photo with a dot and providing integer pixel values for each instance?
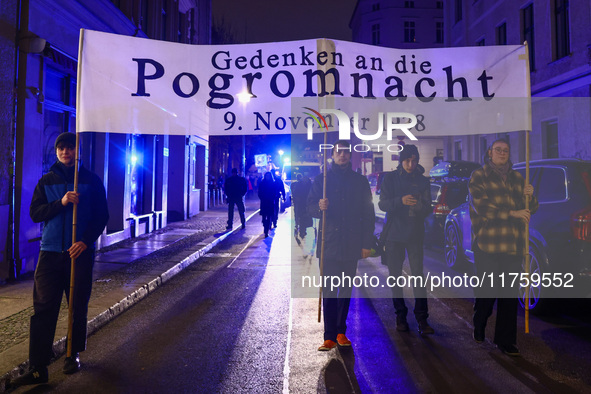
(499, 150)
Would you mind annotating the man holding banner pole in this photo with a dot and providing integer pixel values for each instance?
(348, 227)
(53, 204)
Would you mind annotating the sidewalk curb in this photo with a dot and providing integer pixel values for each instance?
(59, 346)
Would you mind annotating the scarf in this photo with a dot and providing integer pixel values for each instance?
(503, 170)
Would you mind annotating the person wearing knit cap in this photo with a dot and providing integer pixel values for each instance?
(406, 198)
(52, 204)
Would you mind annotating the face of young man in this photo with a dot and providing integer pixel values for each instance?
(410, 164)
(341, 155)
(65, 154)
(499, 153)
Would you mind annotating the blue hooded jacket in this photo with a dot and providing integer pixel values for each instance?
(46, 206)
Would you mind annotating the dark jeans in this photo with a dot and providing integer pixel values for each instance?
(395, 254)
(335, 302)
(267, 219)
(240, 205)
(52, 279)
(506, 297)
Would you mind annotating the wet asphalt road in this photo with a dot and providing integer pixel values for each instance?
(228, 324)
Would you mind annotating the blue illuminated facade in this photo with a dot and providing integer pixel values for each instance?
(150, 180)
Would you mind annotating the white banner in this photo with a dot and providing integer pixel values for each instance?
(142, 86)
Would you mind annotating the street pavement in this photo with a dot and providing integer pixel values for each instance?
(232, 323)
(124, 274)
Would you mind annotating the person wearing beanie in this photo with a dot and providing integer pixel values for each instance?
(406, 198)
(52, 204)
(349, 227)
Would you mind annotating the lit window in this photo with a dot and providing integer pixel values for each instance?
(561, 29)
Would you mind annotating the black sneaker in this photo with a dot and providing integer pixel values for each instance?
(36, 375)
(72, 364)
(478, 335)
(243, 226)
(425, 328)
(229, 228)
(401, 324)
(509, 350)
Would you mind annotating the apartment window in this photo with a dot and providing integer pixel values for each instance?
(483, 146)
(439, 32)
(561, 29)
(192, 31)
(409, 4)
(375, 7)
(501, 33)
(458, 10)
(59, 113)
(144, 16)
(439, 5)
(480, 43)
(409, 31)
(375, 34)
(458, 150)
(164, 20)
(527, 17)
(550, 139)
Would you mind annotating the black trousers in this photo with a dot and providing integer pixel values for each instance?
(506, 296)
(395, 254)
(336, 301)
(240, 205)
(52, 280)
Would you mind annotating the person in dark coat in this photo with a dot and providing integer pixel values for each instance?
(280, 195)
(348, 236)
(299, 196)
(235, 189)
(267, 192)
(52, 204)
(406, 198)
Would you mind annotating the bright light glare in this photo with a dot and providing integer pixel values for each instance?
(244, 97)
(133, 160)
(280, 152)
(286, 160)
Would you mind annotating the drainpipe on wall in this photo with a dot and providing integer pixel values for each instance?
(11, 245)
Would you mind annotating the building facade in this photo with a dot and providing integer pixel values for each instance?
(400, 24)
(149, 179)
(558, 34)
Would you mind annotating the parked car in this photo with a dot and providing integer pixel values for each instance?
(375, 182)
(560, 231)
(449, 189)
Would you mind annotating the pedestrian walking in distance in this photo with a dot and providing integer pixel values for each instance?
(235, 189)
(267, 193)
(299, 196)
